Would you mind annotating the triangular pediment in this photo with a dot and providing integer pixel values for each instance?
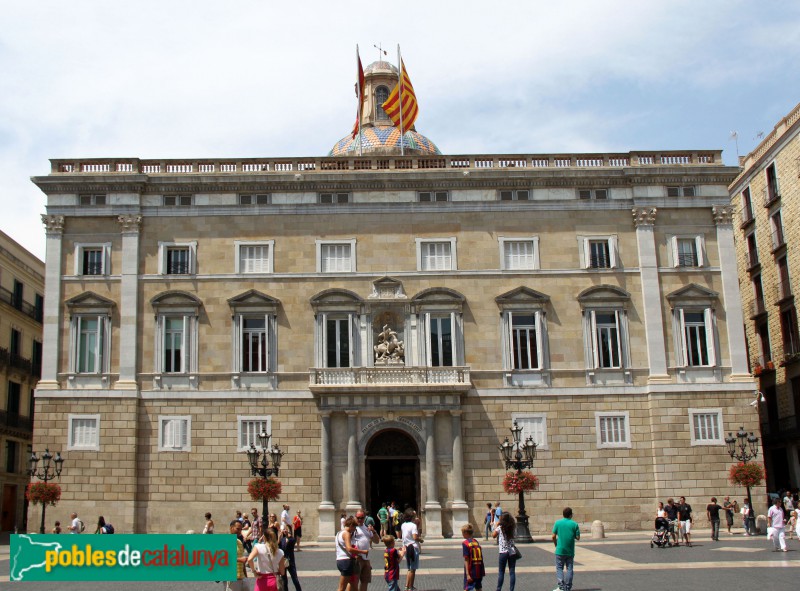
(89, 299)
(522, 295)
(387, 288)
(253, 299)
(693, 293)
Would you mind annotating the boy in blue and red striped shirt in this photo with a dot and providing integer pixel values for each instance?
(391, 563)
(473, 560)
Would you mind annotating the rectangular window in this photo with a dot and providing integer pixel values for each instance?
(599, 253)
(747, 205)
(687, 251)
(13, 398)
(16, 296)
(612, 429)
(84, 432)
(436, 255)
(92, 259)
(759, 306)
(697, 338)
(706, 425)
(784, 286)
(791, 340)
(254, 344)
(38, 307)
(519, 254)
(254, 199)
(333, 198)
(15, 345)
(773, 192)
(177, 200)
(12, 456)
(92, 200)
(178, 260)
(593, 194)
(776, 226)
(174, 433)
(431, 196)
(250, 428)
(174, 344)
(524, 342)
(441, 341)
(255, 258)
(680, 192)
(337, 333)
(606, 341)
(752, 250)
(90, 332)
(518, 195)
(336, 257)
(762, 333)
(533, 426)
(36, 358)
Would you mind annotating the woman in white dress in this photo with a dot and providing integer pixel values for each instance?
(269, 564)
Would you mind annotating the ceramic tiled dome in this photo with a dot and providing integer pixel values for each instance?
(378, 140)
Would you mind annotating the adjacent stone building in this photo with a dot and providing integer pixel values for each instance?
(386, 317)
(766, 195)
(21, 306)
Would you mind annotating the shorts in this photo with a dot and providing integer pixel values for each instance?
(364, 571)
(346, 566)
(298, 533)
(412, 558)
(686, 527)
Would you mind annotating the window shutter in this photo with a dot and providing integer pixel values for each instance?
(675, 254)
(183, 427)
(708, 317)
(701, 251)
(684, 343)
(619, 338)
(355, 339)
(586, 253)
(613, 245)
(506, 319)
(595, 357)
(426, 338)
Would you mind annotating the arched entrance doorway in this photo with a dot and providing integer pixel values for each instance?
(392, 471)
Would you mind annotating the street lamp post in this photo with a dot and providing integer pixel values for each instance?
(519, 455)
(262, 468)
(51, 468)
(744, 447)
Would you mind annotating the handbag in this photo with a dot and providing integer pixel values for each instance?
(517, 554)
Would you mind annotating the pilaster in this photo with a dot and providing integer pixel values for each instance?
(51, 332)
(433, 509)
(130, 226)
(459, 507)
(327, 517)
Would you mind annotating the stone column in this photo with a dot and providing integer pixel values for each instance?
(129, 302)
(460, 514)
(643, 219)
(54, 229)
(433, 509)
(327, 517)
(353, 503)
(731, 297)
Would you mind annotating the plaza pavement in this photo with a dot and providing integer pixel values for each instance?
(620, 562)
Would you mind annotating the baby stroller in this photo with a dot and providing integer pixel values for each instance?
(661, 536)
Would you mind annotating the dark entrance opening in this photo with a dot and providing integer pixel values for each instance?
(392, 471)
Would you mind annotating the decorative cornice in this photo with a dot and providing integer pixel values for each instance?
(53, 224)
(131, 224)
(723, 215)
(644, 216)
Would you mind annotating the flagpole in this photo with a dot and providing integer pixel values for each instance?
(360, 101)
(400, 95)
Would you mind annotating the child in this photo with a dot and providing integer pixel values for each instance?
(391, 563)
(792, 524)
(473, 560)
(57, 528)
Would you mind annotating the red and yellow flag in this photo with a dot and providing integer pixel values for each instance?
(359, 94)
(402, 98)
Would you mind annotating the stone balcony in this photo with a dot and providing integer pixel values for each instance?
(390, 378)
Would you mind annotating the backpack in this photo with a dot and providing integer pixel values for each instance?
(83, 527)
(108, 529)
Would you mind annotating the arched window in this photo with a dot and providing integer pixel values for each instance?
(381, 94)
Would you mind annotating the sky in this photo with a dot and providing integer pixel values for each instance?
(259, 78)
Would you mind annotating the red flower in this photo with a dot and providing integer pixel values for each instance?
(46, 493)
(514, 483)
(742, 474)
(261, 489)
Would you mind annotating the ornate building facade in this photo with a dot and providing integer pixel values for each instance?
(386, 318)
(21, 308)
(766, 196)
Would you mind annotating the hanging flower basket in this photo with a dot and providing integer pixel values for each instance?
(514, 483)
(260, 489)
(46, 493)
(742, 474)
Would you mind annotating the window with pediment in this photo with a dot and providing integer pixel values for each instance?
(440, 327)
(90, 334)
(254, 332)
(176, 332)
(337, 340)
(694, 326)
(524, 331)
(605, 330)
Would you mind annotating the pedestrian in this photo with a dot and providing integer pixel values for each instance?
(685, 519)
(391, 563)
(565, 532)
(745, 511)
(342, 519)
(671, 509)
(410, 537)
(488, 521)
(730, 509)
(791, 525)
(712, 512)
(777, 524)
(256, 528)
(507, 554)
(788, 504)
(209, 527)
(363, 538)
(474, 570)
(103, 527)
(238, 516)
(287, 543)
(397, 524)
(346, 553)
(297, 526)
(273, 524)
(241, 559)
(660, 512)
(270, 563)
(76, 526)
(285, 518)
(57, 528)
(383, 518)
(498, 511)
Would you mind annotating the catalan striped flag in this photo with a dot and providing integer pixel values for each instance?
(359, 94)
(401, 106)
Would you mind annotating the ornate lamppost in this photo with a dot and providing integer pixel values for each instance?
(743, 448)
(259, 466)
(51, 468)
(519, 455)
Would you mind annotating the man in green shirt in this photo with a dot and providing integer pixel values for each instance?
(565, 532)
(383, 517)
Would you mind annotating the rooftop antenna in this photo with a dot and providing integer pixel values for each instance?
(380, 49)
(735, 137)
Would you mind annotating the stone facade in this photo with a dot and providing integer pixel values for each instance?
(21, 289)
(766, 198)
